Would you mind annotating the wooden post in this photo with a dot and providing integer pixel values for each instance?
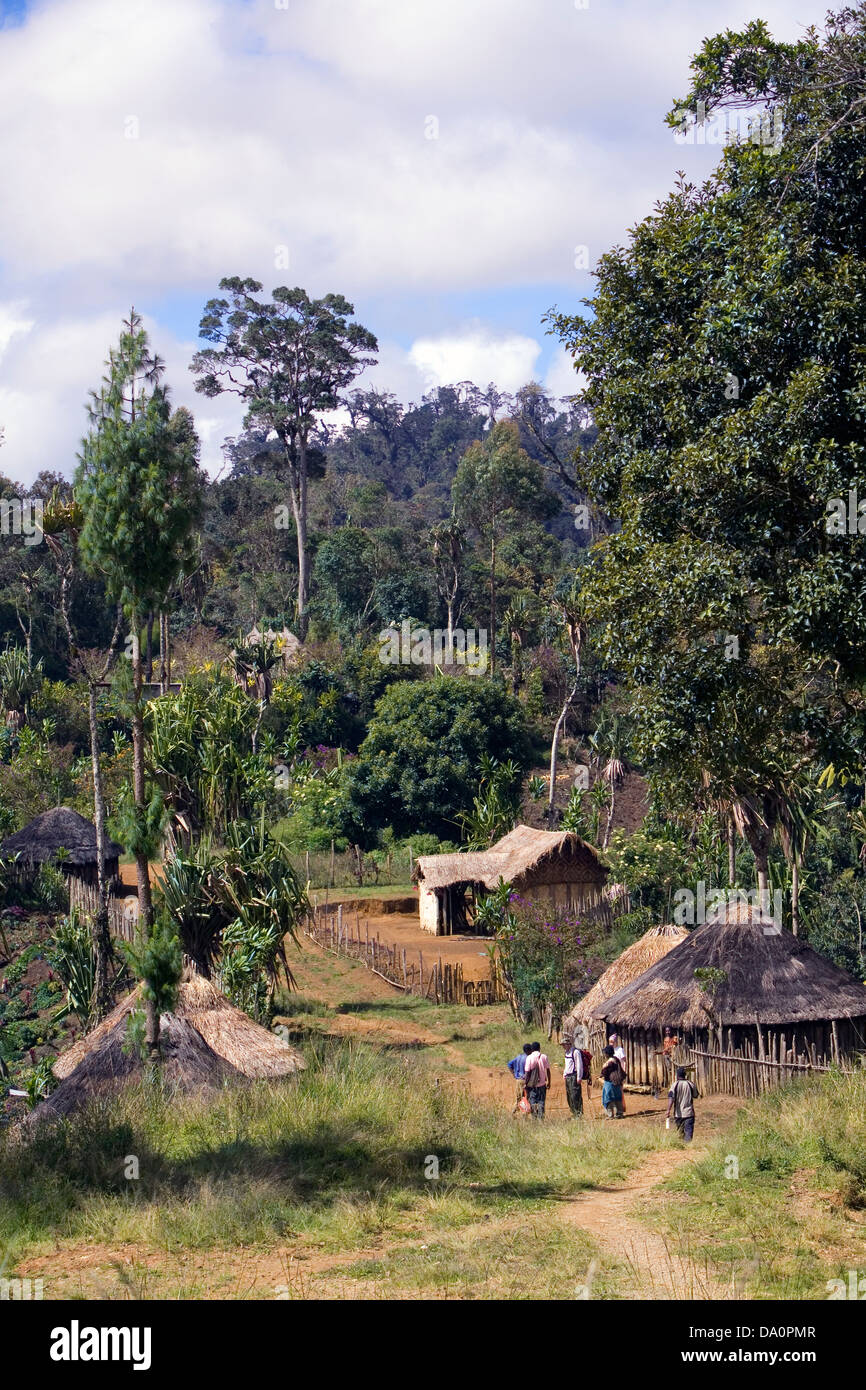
(331, 869)
(834, 1032)
(307, 864)
(404, 965)
(339, 924)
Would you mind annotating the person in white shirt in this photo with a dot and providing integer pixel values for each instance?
(574, 1073)
(537, 1080)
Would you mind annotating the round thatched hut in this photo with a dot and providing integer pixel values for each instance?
(204, 1042)
(585, 1023)
(68, 841)
(753, 1006)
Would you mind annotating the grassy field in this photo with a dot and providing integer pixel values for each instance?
(782, 1197)
(392, 1168)
(424, 1190)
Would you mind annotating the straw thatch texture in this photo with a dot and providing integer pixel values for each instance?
(653, 946)
(521, 854)
(53, 831)
(772, 977)
(204, 1042)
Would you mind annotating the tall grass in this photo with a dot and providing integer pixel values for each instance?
(776, 1204)
(337, 1155)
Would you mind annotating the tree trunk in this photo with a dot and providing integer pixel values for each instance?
(731, 831)
(145, 902)
(554, 751)
(516, 666)
(492, 602)
(148, 661)
(795, 895)
(299, 506)
(151, 1032)
(759, 835)
(762, 867)
(100, 933)
(610, 811)
(163, 653)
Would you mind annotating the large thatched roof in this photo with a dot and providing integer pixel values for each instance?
(635, 959)
(60, 829)
(772, 977)
(512, 858)
(204, 1041)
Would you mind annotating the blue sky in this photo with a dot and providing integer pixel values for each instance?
(436, 161)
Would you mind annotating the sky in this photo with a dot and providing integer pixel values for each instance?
(453, 167)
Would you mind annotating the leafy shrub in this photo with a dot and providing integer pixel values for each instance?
(73, 957)
(50, 889)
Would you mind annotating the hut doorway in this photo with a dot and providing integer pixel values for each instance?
(457, 916)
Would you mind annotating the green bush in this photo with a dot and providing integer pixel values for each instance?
(50, 889)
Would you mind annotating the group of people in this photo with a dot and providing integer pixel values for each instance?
(532, 1076)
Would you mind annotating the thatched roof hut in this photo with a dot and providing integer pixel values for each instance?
(204, 1041)
(751, 1003)
(67, 840)
(653, 946)
(557, 865)
(61, 832)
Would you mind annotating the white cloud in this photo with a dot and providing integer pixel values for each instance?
(561, 379)
(476, 355)
(259, 127)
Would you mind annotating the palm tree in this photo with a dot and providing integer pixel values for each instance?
(18, 684)
(614, 765)
(517, 619)
(253, 663)
(448, 543)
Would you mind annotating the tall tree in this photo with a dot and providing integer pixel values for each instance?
(138, 485)
(289, 361)
(61, 526)
(726, 367)
(497, 486)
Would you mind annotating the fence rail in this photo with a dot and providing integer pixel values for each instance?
(442, 983)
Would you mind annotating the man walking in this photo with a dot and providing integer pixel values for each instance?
(575, 1072)
(537, 1080)
(517, 1067)
(681, 1100)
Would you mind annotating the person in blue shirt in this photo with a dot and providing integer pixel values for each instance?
(517, 1067)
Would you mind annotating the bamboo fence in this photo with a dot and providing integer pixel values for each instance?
(433, 979)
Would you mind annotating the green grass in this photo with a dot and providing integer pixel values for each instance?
(777, 1206)
(334, 1161)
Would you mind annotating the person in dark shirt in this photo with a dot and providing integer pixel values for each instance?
(613, 1075)
(517, 1067)
(681, 1100)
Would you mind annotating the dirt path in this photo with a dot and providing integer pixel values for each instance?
(656, 1270)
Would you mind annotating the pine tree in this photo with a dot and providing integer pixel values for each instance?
(139, 489)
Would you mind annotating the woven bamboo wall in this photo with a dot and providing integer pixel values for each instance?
(743, 1060)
